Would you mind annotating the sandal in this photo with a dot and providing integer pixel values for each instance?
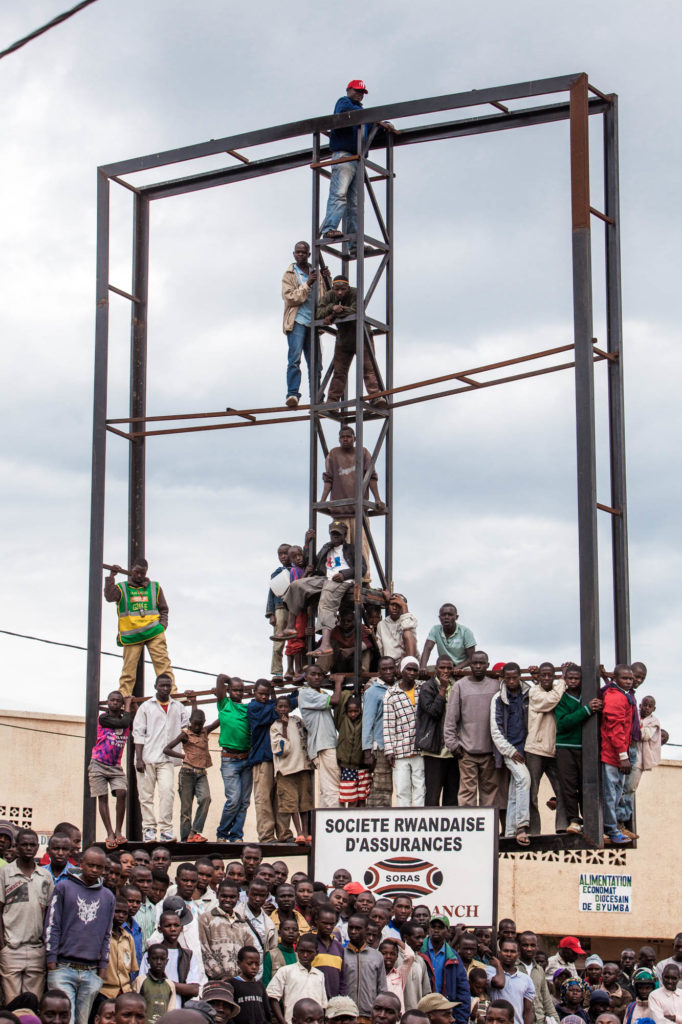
(301, 840)
(321, 652)
(286, 634)
(110, 844)
(121, 840)
(522, 837)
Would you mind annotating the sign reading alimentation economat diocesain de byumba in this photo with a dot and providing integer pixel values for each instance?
(605, 894)
(443, 857)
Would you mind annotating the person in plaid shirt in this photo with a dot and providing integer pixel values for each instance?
(400, 717)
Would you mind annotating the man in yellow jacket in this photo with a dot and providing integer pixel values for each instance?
(142, 622)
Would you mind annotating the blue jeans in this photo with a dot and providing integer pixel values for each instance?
(627, 801)
(343, 197)
(518, 801)
(613, 783)
(80, 986)
(237, 780)
(299, 343)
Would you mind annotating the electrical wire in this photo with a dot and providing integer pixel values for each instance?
(107, 654)
(46, 28)
(111, 654)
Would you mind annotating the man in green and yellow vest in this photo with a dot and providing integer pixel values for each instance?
(142, 622)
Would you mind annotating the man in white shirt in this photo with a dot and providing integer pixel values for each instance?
(676, 958)
(507, 982)
(332, 579)
(665, 1003)
(157, 723)
(297, 981)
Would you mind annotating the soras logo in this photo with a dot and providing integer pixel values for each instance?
(403, 876)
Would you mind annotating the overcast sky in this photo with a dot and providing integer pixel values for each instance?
(485, 498)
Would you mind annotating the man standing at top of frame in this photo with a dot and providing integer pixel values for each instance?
(142, 622)
(343, 187)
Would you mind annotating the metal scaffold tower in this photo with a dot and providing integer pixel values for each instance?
(566, 98)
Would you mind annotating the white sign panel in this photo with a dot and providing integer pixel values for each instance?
(605, 894)
(444, 857)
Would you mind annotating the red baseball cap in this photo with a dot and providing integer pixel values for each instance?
(354, 888)
(570, 942)
(498, 666)
(357, 83)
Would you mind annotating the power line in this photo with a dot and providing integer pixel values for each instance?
(108, 654)
(111, 654)
(48, 732)
(46, 28)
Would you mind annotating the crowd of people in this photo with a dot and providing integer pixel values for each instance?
(454, 733)
(97, 937)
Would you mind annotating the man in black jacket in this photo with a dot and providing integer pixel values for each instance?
(332, 578)
(441, 770)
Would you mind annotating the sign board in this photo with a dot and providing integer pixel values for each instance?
(444, 857)
(605, 894)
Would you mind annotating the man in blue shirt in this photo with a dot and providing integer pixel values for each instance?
(59, 850)
(373, 735)
(343, 142)
(446, 971)
(260, 714)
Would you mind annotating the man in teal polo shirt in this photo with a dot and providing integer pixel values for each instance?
(235, 743)
(452, 640)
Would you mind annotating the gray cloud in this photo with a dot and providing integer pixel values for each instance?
(485, 490)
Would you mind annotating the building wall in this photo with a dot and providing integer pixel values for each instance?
(41, 782)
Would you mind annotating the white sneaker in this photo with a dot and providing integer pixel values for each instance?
(167, 837)
(291, 401)
(149, 835)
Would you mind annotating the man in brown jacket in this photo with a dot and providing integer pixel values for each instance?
(297, 292)
(334, 306)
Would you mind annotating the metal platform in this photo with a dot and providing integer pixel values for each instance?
(566, 98)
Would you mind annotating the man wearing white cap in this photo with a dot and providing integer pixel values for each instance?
(400, 721)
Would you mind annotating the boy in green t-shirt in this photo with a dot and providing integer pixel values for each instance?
(285, 952)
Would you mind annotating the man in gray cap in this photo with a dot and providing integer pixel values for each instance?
(220, 996)
(342, 1009)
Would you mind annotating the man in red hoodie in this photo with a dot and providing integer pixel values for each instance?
(616, 729)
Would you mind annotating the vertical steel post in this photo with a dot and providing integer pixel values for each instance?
(137, 453)
(586, 453)
(614, 335)
(315, 368)
(97, 498)
(359, 389)
(388, 444)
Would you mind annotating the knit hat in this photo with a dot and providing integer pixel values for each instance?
(409, 660)
(594, 959)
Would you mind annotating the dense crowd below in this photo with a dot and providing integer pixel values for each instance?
(96, 938)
